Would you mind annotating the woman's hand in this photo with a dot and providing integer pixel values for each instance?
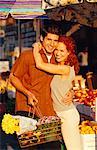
(37, 47)
(67, 100)
(38, 59)
(32, 100)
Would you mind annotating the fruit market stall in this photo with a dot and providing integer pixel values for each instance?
(88, 130)
(86, 103)
(31, 131)
(85, 97)
(7, 94)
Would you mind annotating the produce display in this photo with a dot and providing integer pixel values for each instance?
(3, 85)
(31, 132)
(48, 129)
(6, 86)
(85, 96)
(88, 127)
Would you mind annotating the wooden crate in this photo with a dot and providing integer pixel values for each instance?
(44, 133)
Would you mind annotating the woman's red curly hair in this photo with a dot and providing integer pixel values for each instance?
(72, 59)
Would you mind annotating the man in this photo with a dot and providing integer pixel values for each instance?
(83, 61)
(33, 85)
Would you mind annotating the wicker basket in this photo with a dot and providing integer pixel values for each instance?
(44, 133)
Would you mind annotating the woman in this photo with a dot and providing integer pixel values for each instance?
(61, 85)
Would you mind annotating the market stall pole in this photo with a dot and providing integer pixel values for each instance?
(19, 36)
(96, 109)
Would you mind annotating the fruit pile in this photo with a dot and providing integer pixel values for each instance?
(88, 127)
(85, 96)
(3, 85)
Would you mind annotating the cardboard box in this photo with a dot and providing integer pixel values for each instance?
(89, 141)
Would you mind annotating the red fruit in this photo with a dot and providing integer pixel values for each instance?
(86, 101)
(91, 97)
(90, 93)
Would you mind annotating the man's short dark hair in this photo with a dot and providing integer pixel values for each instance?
(53, 28)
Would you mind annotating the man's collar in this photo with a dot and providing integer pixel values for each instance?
(52, 57)
(43, 52)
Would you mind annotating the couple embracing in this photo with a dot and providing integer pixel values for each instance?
(43, 76)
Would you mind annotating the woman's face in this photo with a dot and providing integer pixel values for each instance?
(61, 53)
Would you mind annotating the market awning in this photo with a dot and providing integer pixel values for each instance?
(81, 11)
(21, 9)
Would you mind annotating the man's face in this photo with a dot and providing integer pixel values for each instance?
(50, 42)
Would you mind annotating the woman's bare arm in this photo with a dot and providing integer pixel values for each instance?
(51, 68)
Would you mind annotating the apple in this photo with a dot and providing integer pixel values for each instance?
(90, 92)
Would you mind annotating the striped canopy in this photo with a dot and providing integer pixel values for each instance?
(21, 9)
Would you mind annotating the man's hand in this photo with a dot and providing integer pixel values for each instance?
(32, 99)
(19, 86)
(67, 100)
(75, 27)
